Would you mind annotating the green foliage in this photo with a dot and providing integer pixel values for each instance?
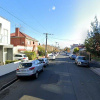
(10, 61)
(76, 50)
(41, 51)
(92, 43)
(30, 55)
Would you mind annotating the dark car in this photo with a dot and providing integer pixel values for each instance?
(82, 61)
(73, 57)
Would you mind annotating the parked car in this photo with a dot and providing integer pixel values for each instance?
(20, 57)
(45, 61)
(73, 56)
(29, 68)
(82, 61)
(68, 54)
(52, 57)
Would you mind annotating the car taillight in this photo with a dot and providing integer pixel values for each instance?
(17, 69)
(23, 58)
(31, 68)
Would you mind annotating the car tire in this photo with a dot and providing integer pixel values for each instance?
(36, 75)
(42, 68)
(18, 77)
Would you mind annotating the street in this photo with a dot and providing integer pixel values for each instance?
(61, 80)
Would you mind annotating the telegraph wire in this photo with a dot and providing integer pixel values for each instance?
(36, 20)
(66, 39)
(20, 20)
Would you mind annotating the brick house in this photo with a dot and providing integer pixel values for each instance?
(22, 42)
(6, 49)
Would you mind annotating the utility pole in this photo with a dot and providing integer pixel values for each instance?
(46, 44)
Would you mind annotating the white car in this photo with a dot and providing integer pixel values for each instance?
(29, 68)
(45, 61)
(52, 57)
(20, 57)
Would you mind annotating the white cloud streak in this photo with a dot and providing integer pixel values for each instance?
(53, 8)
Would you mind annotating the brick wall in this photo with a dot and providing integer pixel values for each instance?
(18, 41)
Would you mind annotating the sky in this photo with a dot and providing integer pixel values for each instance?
(66, 21)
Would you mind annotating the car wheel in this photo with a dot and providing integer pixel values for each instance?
(18, 77)
(77, 64)
(42, 69)
(36, 75)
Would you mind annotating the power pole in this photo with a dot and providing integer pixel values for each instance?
(46, 44)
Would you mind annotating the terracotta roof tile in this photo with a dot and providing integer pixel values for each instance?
(27, 36)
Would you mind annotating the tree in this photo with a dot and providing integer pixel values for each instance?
(92, 43)
(76, 50)
(67, 49)
(41, 50)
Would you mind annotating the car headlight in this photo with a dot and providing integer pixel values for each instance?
(79, 62)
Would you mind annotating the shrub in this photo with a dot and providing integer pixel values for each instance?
(41, 51)
(10, 61)
(30, 55)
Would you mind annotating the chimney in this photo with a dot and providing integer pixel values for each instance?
(17, 32)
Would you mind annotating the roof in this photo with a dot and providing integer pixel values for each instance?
(27, 36)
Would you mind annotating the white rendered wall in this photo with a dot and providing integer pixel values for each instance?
(4, 25)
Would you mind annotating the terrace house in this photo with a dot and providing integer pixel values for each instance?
(22, 42)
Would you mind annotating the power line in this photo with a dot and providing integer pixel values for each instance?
(35, 19)
(67, 39)
(19, 19)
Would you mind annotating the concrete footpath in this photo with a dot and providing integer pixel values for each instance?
(95, 67)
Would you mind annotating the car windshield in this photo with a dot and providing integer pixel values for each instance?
(25, 65)
(82, 58)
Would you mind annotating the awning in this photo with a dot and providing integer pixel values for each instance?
(21, 49)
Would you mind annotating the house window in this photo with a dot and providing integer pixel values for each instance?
(5, 36)
(28, 42)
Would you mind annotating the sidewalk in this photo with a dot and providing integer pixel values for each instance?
(95, 67)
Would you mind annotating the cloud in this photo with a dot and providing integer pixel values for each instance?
(53, 8)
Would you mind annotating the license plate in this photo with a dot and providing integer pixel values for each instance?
(22, 70)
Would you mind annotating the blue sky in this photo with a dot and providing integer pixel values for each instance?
(67, 20)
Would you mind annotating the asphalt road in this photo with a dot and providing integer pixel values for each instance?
(61, 80)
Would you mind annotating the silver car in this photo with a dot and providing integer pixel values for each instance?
(45, 61)
(22, 57)
(52, 57)
(30, 68)
(82, 61)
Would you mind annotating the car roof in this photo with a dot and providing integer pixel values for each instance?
(29, 61)
(80, 56)
(42, 58)
(19, 54)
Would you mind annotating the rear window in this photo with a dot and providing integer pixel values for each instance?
(50, 55)
(82, 58)
(25, 65)
(18, 55)
(41, 60)
(25, 56)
